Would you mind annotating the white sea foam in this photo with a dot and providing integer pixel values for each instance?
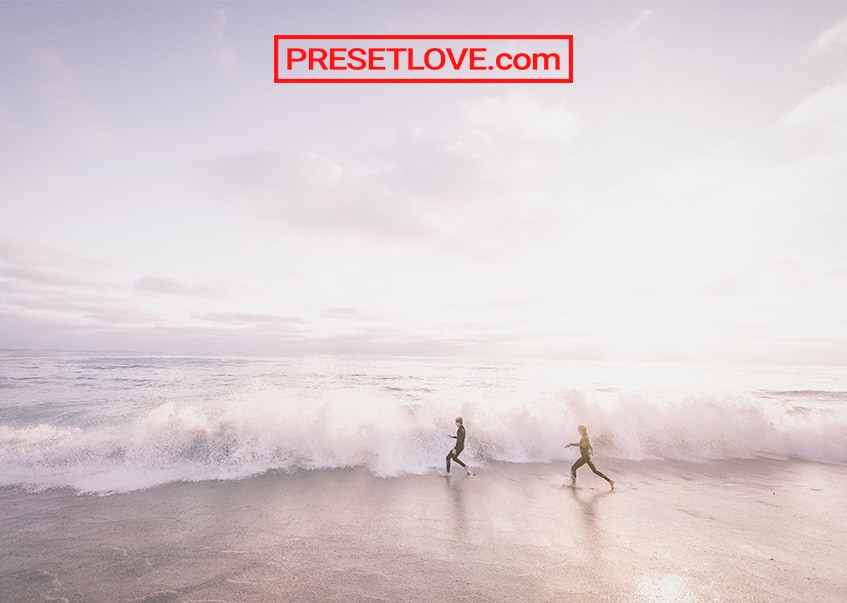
(399, 424)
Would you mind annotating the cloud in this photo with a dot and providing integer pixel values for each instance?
(57, 302)
(833, 40)
(492, 184)
(436, 171)
(36, 267)
(299, 189)
(826, 108)
(220, 17)
(41, 277)
(347, 314)
(42, 285)
(246, 319)
(169, 286)
(223, 52)
(520, 117)
(243, 334)
(643, 18)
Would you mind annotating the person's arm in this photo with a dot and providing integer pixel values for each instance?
(572, 444)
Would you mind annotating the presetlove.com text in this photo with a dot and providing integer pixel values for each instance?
(423, 59)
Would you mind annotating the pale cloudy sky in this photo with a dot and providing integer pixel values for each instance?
(684, 199)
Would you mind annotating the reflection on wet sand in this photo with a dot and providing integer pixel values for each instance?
(458, 509)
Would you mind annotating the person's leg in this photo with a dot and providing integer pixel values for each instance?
(449, 456)
(579, 463)
(596, 472)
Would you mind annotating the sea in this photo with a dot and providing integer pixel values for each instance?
(106, 423)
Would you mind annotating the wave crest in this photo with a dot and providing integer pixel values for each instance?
(261, 430)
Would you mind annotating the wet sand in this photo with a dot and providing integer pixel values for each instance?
(730, 531)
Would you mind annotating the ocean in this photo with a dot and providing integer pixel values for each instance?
(154, 479)
(108, 423)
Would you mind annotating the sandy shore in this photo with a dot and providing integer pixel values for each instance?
(740, 531)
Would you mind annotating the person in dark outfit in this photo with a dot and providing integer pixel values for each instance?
(585, 452)
(453, 455)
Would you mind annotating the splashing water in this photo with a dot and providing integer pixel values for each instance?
(116, 423)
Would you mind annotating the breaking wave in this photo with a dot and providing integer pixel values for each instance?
(389, 433)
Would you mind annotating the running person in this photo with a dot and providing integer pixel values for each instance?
(585, 452)
(453, 455)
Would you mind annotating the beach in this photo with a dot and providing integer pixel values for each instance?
(755, 530)
(244, 316)
(127, 478)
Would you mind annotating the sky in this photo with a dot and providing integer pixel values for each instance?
(684, 199)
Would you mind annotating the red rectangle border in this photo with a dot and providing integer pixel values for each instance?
(370, 80)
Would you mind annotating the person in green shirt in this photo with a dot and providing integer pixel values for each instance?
(585, 452)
